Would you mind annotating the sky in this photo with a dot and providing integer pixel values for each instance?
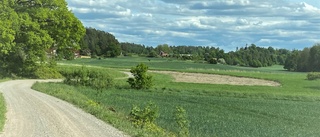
(227, 24)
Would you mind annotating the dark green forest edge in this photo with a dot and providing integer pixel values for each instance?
(36, 34)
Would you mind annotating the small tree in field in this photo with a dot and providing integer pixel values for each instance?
(140, 80)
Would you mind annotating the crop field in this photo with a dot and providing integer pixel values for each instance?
(290, 109)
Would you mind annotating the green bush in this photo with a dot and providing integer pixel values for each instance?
(47, 70)
(213, 61)
(182, 121)
(313, 75)
(96, 79)
(141, 79)
(143, 116)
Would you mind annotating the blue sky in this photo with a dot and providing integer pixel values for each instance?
(227, 24)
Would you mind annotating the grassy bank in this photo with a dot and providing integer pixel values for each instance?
(3, 111)
(3, 108)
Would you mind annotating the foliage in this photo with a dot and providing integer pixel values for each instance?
(307, 60)
(131, 48)
(98, 80)
(213, 61)
(182, 121)
(313, 75)
(99, 43)
(8, 26)
(252, 56)
(144, 116)
(291, 61)
(30, 30)
(140, 80)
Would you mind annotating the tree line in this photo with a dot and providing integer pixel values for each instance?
(249, 56)
(306, 60)
(99, 43)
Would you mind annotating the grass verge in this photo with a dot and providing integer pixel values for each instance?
(3, 111)
(90, 101)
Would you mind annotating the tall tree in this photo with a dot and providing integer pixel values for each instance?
(43, 24)
(100, 43)
(314, 58)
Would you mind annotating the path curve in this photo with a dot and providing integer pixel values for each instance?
(34, 114)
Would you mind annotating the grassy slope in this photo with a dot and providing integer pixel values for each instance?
(3, 111)
(221, 110)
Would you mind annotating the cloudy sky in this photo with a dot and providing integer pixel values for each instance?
(291, 24)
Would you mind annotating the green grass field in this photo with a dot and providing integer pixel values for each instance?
(213, 110)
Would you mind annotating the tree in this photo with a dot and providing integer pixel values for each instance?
(100, 43)
(303, 60)
(141, 79)
(314, 58)
(8, 26)
(29, 29)
(291, 61)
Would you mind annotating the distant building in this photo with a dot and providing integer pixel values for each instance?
(163, 54)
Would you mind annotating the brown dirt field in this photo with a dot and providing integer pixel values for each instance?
(217, 79)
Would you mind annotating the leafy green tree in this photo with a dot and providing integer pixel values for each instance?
(291, 61)
(314, 58)
(303, 60)
(100, 43)
(29, 29)
(141, 79)
(8, 26)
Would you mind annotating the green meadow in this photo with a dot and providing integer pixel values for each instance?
(291, 109)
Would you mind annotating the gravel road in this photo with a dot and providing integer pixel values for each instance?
(34, 114)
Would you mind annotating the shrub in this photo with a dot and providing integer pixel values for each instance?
(313, 75)
(141, 79)
(47, 70)
(182, 121)
(213, 61)
(96, 79)
(144, 116)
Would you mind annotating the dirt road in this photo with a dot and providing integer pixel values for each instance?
(34, 114)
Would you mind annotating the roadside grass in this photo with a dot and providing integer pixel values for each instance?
(3, 108)
(71, 94)
(3, 111)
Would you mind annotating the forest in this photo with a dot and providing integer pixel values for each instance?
(103, 44)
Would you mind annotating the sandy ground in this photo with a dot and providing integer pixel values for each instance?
(34, 114)
(217, 79)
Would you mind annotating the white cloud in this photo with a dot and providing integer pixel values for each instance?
(224, 23)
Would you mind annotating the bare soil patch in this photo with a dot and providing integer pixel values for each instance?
(217, 79)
